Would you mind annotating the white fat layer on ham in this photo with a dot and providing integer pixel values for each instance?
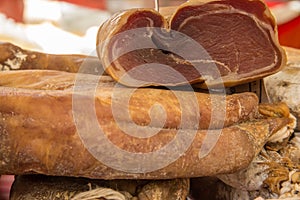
(15, 63)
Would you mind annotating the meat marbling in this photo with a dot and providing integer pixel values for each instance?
(214, 43)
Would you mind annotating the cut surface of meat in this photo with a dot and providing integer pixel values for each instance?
(217, 43)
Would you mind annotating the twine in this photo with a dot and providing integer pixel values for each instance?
(98, 193)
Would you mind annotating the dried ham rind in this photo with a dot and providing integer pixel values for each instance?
(13, 57)
(39, 131)
(284, 86)
(62, 188)
(215, 111)
(273, 174)
(233, 42)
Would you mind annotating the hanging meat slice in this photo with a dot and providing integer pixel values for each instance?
(210, 42)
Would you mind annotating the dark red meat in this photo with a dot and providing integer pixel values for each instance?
(215, 43)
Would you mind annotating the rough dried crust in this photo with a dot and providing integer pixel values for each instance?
(284, 86)
(56, 149)
(13, 57)
(38, 135)
(239, 107)
(62, 188)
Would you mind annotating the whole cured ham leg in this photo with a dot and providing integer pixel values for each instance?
(43, 131)
(114, 102)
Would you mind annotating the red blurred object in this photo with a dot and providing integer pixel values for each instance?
(12, 9)
(5, 185)
(97, 4)
(288, 32)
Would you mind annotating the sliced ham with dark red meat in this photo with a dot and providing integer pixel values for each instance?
(214, 43)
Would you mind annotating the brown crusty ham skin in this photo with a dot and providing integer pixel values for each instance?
(234, 108)
(240, 37)
(13, 57)
(284, 86)
(62, 188)
(38, 133)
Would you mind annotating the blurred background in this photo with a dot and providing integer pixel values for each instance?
(73, 24)
(70, 26)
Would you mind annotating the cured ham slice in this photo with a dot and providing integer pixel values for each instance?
(210, 42)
